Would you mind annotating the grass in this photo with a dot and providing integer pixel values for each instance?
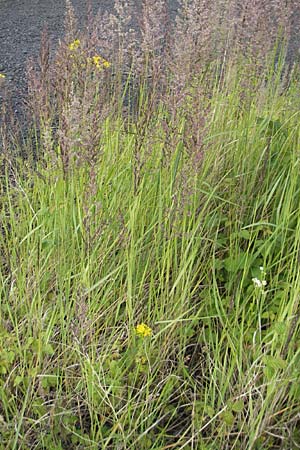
(171, 229)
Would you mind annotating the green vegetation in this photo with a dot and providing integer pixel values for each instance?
(150, 290)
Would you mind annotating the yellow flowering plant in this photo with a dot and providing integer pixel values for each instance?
(99, 62)
(74, 45)
(143, 330)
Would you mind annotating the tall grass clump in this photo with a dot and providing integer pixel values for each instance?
(150, 236)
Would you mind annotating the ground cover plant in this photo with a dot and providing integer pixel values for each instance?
(150, 236)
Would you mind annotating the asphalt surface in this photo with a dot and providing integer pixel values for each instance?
(21, 24)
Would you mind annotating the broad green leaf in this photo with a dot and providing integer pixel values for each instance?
(227, 417)
(237, 406)
(274, 362)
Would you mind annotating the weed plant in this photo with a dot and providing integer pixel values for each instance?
(150, 239)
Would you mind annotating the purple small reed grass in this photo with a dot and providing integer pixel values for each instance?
(69, 98)
(197, 116)
(114, 35)
(257, 24)
(70, 95)
(150, 64)
(116, 38)
(71, 23)
(82, 325)
(155, 27)
(205, 31)
(69, 133)
(122, 21)
(141, 131)
(193, 39)
(10, 131)
(83, 116)
(38, 101)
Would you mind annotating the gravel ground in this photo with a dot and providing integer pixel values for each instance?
(21, 23)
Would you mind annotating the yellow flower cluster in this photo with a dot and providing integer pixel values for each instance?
(99, 62)
(74, 45)
(143, 330)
